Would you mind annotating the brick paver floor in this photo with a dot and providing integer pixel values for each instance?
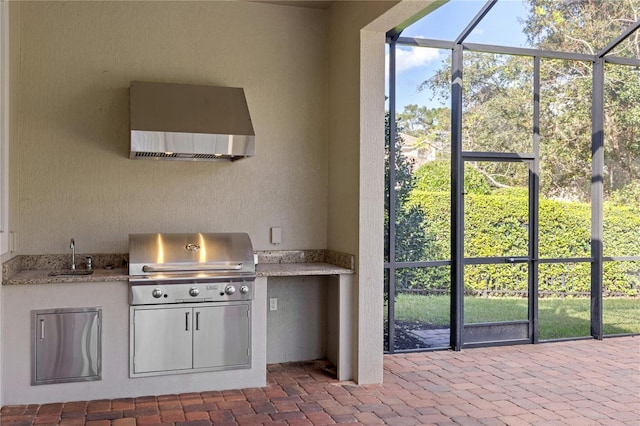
(584, 382)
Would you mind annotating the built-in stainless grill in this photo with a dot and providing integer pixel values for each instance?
(190, 297)
(192, 267)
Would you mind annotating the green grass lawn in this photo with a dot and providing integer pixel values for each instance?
(558, 318)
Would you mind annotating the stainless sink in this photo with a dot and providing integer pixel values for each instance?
(69, 273)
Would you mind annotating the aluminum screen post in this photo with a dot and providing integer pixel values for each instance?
(597, 184)
(457, 203)
(391, 315)
(534, 208)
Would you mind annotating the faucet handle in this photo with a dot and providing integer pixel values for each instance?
(72, 246)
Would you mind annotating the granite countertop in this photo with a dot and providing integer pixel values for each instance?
(299, 269)
(36, 269)
(41, 276)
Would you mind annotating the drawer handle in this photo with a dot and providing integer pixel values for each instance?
(42, 329)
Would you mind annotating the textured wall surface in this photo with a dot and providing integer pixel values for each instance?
(346, 144)
(356, 159)
(301, 70)
(13, 68)
(71, 154)
(296, 331)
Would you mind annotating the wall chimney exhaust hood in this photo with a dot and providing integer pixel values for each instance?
(189, 122)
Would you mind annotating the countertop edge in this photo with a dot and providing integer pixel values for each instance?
(300, 269)
(41, 276)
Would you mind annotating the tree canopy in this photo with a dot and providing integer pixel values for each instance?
(498, 101)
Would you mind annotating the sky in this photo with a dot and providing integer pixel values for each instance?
(415, 64)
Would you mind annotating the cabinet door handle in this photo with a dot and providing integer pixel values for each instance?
(197, 321)
(186, 321)
(41, 329)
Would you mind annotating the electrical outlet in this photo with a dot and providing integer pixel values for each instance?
(276, 235)
(273, 304)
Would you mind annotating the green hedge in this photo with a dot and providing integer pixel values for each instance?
(496, 224)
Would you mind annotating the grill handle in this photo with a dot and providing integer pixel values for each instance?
(193, 268)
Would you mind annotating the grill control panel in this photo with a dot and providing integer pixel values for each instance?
(156, 293)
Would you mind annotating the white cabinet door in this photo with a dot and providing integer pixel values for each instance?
(162, 339)
(221, 336)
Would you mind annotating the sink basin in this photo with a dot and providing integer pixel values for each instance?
(69, 273)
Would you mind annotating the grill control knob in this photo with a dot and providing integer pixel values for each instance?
(230, 290)
(244, 289)
(193, 291)
(157, 293)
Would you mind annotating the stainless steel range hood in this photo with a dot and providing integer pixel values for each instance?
(189, 122)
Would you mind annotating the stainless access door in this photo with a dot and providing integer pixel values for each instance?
(161, 339)
(222, 336)
(66, 345)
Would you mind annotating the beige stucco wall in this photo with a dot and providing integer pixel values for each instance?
(356, 159)
(71, 156)
(347, 19)
(12, 14)
(14, 131)
(347, 183)
(314, 84)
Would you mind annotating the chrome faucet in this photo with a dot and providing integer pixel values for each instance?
(73, 254)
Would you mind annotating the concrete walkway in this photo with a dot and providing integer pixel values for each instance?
(575, 383)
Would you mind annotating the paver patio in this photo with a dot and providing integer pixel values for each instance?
(584, 382)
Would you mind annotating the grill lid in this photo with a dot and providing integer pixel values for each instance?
(189, 254)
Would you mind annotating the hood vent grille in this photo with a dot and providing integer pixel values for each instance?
(174, 156)
(189, 122)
